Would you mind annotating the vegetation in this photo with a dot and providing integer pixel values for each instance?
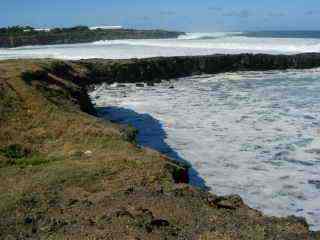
(65, 174)
(25, 35)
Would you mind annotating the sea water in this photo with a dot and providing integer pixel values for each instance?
(186, 45)
(256, 134)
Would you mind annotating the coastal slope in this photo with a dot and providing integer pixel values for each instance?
(66, 174)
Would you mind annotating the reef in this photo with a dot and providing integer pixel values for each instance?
(28, 36)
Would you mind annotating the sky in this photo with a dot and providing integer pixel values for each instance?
(184, 15)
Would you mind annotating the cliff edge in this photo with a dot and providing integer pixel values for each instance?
(66, 174)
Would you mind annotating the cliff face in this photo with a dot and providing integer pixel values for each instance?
(155, 69)
(65, 174)
(78, 35)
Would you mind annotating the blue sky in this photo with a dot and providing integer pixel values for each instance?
(186, 15)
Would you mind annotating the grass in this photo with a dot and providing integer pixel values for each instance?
(66, 170)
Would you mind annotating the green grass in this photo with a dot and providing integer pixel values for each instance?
(33, 161)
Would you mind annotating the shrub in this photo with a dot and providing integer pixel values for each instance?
(14, 151)
(29, 76)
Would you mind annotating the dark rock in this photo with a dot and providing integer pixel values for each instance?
(181, 175)
(229, 202)
(308, 117)
(139, 85)
(150, 84)
(28, 220)
(129, 191)
(73, 202)
(316, 183)
(147, 212)
(281, 155)
(119, 85)
(152, 69)
(17, 36)
(314, 151)
(159, 223)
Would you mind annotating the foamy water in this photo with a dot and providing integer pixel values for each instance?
(186, 45)
(249, 133)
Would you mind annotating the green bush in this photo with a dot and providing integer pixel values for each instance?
(14, 151)
(29, 76)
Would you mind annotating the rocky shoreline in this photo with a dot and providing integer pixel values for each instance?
(28, 36)
(157, 69)
(65, 174)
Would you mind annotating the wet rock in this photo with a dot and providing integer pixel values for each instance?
(313, 151)
(283, 155)
(308, 117)
(301, 162)
(316, 183)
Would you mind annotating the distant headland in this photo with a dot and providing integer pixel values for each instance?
(18, 36)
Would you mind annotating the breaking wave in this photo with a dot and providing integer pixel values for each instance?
(185, 45)
(214, 35)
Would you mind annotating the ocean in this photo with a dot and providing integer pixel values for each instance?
(256, 134)
(186, 45)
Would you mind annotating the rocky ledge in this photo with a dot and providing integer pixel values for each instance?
(28, 36)
(66, 174)
(157, 69)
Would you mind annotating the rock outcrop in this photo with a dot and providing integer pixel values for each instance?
(155, 69)
(19, 36)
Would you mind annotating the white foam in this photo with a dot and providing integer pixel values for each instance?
(245, 133)
(213, 35)
(228, 45)
(187, 45)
